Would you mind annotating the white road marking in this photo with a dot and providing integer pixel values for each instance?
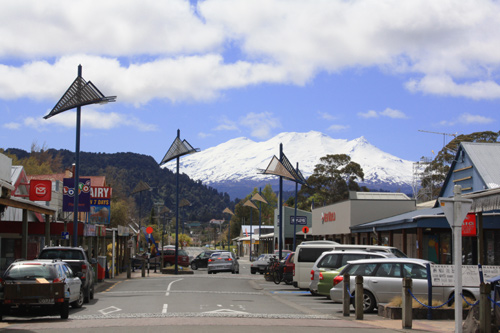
(165, 307)
(109, 310)
(170, 285)
(226, 311)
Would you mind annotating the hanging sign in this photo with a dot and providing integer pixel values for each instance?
(69, 195)
(100, 205)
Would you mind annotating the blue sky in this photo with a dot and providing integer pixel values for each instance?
(220, 69)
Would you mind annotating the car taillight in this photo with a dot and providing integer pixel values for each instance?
(84, 271)
(321, 276)
(337, 280)
(210, 260)
(57, 280)
(312, 274)
(229, 259)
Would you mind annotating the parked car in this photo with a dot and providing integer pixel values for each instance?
(261, 263)
(78, 260)
(308, 252)
(332, 260)
(169, 257)
(223, 262)
(325, 282)
(288, 268)
(201, 260)
(383, 280)
(44, 286)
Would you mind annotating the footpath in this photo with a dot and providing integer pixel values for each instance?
(348, 324)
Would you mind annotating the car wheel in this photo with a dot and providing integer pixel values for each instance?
(252, 271)
(261, 272)
(64, 310)
(194, 266)
(79, 302)
(91, 296)
(233, 272)
(369, 302)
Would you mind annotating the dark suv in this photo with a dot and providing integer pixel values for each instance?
(201, 260)
(77, 259)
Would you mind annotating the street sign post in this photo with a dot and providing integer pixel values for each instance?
(455, 209)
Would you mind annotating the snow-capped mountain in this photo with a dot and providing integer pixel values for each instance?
(233, 166)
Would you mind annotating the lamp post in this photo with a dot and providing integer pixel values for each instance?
(80, 93)
(228, 211)
(177, 149)
(258, 197)
(250, 204)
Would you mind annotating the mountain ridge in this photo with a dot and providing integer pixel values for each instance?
(235, 163)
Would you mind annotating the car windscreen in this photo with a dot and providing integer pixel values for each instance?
(30, 271)
(398, 253)
(311, 254)
(182, 253)
(62, 254)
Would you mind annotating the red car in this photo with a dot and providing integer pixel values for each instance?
(288, 268)
(169, 257)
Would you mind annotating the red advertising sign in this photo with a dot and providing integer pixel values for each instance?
(469, 225)
(40, 190)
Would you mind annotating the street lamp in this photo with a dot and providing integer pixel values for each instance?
(258, 197)
(177, 149)
(250, 204)
(80, 93)
(228, 211)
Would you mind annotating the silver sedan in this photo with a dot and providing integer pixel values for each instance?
(223, 262)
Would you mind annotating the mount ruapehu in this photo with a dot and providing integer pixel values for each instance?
(234, 166)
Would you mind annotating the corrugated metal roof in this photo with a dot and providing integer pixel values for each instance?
(402, 218)
(486, 159)
(378, 196)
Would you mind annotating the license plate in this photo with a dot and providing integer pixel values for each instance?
(46, 301)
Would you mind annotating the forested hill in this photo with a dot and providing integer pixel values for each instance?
(123, 172)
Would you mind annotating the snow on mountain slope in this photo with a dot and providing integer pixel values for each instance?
(239, 160)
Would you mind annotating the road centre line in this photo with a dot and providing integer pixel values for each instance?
(170, 285)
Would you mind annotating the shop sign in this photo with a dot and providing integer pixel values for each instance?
(40, 190)
(69, 194)
(301, 220)
(328, 217)
(100, 205)
(469, 225)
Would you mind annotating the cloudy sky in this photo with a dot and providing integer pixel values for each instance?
(221, 69)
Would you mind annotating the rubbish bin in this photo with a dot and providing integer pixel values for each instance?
(101, 267)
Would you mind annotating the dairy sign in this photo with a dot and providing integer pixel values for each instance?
(100, 205)
(69, 195)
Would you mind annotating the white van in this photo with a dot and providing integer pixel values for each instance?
(307, 253)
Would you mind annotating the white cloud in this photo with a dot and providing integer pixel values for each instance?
(203, 135)
(260, 124)
(226, 125)
(12, 126)
(445, 85)
(177, 52)
(467, 119)
(338, 128)
(326, 116)
(368, 114)
(390, 113)
(90, 119)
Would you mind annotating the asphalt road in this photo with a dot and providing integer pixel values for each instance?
(203, 302)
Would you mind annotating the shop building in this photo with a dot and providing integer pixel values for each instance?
(427, 234)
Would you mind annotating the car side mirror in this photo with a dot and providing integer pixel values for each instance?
(237, 258)
(93, 261)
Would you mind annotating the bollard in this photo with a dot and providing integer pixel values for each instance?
(143, 268)
(346, 299)
(358, 298)
(484, 308)
(407, 312)
(148, 266)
